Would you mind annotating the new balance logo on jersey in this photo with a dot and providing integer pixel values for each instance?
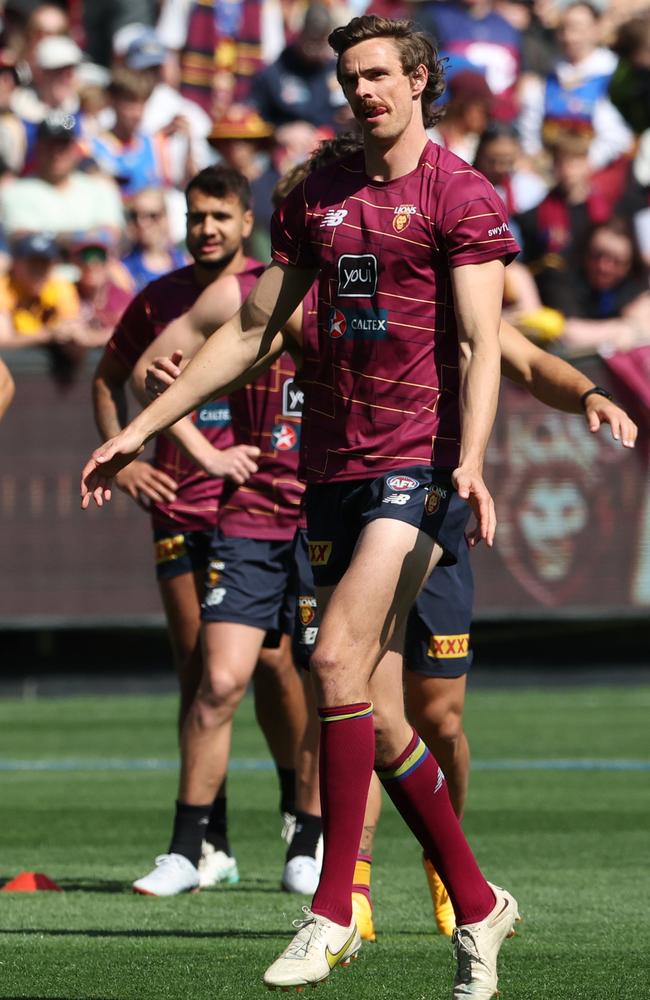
(334, 217)
(293, 399)
(357, 275)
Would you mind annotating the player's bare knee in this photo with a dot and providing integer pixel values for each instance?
(444, 727)
(218, 697)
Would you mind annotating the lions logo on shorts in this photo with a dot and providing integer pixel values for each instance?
(435, 496)
(306, 610)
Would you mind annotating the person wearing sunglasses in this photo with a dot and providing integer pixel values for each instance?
(152, 253)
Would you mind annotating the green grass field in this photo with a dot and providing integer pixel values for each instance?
(571, 843)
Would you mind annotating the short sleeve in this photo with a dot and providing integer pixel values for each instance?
(472, 221)
(290, 231)
(133, 333)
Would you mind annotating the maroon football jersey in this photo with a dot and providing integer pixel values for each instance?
(197, 498)
(267, 414)
(381, 386)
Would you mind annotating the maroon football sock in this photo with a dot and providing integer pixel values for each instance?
(418, 789)
(347, 750)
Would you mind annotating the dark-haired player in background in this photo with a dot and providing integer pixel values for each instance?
(410, 246)
(182, 494)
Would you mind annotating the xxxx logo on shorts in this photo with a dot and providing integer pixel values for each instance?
(435, 496)
(319, 553)
(448, 647)
(402, 217)
(306, 609)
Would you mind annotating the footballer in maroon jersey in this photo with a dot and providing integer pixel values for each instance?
(398, 513)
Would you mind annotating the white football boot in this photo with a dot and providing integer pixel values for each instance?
(216, 867)
(301, 874)
(172, 875)
(476, 947)
(318, 947)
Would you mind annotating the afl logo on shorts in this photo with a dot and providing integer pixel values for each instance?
(434, 498)
(337, 324)
(402, 484)
(284, 437)
(306, 610)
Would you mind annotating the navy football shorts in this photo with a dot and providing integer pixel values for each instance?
(419, 495)
(437, 641)
(249, 582)
(178, 552)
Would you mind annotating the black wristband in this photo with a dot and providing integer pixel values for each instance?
(597, 390)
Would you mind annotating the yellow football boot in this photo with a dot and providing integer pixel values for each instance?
(443, 911)
(362, 913)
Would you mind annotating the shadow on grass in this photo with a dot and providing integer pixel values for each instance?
(242, 935)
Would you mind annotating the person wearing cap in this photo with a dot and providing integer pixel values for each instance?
(58, 198)
(103, 299)
(243, 140)
(467, 114)
(13, 139)
(35, 306)
(575, 91)
(54, 85)
(301, 84)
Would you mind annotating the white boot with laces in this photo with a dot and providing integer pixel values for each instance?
(318, 947)
(476, 947)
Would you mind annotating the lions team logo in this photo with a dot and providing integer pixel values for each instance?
(214, 572)
(402, 484)
(284, 437)
(306, 610)
(435, 496)
(337, 324)
(402, 217)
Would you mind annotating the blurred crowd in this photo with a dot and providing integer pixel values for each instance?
(108, 108)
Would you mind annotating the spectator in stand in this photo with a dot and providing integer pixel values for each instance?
(605, 298)
(471, 32)
(36, 307)
(574, 93)
(629, 87)
(103, 19)
(58, 198)
(227, 45)
(243, 141)
(301, 84)
(102, 299)
(125, 151)
(45, 20)
(552, 229)
(152, 253)
(13, 140)
(467, 114)
(499, 157)
(54, 85)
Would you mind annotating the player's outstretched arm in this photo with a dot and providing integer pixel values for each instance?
(478, 294)
(228, 360)
(558, 384)
(7, 388)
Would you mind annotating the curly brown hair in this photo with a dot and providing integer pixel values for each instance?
(415, 49)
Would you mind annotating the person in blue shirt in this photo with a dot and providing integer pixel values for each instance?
(152, 253)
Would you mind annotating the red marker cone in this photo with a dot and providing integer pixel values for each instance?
(31, 882)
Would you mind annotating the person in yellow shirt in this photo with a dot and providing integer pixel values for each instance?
(35, 306)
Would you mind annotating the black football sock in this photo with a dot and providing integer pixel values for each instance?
(190, 824)
(287, 779)
(217, 829)
(305, 839)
